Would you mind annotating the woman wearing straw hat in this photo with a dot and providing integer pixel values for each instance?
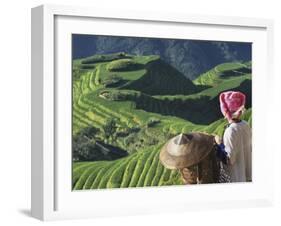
(193, 154)
(236, 148)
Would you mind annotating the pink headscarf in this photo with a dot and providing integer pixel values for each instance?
(232, 104)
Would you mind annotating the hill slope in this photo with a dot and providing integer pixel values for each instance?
(190, 57)
(223, 72)
(162, 79)
(149, 102)
(140, 169)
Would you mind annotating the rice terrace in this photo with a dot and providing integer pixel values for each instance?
(126, 105)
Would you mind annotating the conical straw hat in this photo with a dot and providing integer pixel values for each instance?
(186, 150)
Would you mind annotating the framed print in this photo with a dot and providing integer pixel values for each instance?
(137, 113)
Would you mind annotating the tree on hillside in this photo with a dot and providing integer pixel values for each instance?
(84, 145)
(109, 129)
(89, 132)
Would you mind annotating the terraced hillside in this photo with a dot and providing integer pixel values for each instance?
(140, 169)
(134, 104)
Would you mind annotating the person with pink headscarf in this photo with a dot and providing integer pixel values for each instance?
(235, 150)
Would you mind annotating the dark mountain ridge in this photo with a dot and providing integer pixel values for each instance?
(190, 57)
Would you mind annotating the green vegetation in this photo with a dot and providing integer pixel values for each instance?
(222, 72)
(104, 58)
(162, 79)
(87, 146)
(126, 107)
(124, 65)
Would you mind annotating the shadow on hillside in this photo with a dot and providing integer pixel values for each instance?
(127, 67)
(202, 87)
(117, 84)
(163, 79)
(238, 72)
(85, 147)
(202, 110)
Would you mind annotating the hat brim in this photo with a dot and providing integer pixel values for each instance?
(180, 162)
(172, 162)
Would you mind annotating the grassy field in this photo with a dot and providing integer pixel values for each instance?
(150, 102)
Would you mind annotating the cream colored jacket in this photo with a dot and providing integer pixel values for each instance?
(238, 145)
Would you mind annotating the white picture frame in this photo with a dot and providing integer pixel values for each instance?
(52, 198)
